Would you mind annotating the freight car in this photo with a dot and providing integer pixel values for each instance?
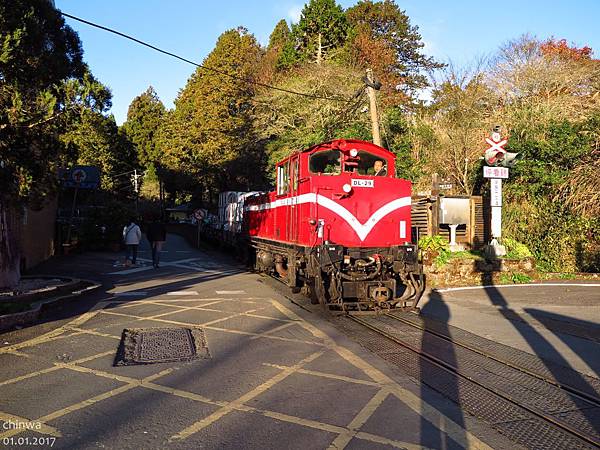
(337, 226)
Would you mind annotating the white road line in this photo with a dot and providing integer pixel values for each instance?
(230, 292)
(492, 286)
(182, 293)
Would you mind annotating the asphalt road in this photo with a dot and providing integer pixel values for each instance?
(279, 376)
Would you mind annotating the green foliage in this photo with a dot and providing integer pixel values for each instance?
(567, 276)
(467, 254)
(549, 154)
(94, 139)
(144, 118)
(280, 35)
(321, 30)
(38, 54)
(560, 240)
(436, 247)
(399, 141)
(433, 243)
(515, 249)
(514, 278)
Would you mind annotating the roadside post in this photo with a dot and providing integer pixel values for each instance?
(498, 161)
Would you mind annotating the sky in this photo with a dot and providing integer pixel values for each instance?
(458, 31)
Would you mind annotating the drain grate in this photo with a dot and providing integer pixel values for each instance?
(156, 345)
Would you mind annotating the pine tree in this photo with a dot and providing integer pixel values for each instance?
(280, 35)
(322, 29)
(144, 117)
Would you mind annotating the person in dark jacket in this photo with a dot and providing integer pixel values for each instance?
(157, 235)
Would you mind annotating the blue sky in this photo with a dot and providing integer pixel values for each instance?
(459, 31)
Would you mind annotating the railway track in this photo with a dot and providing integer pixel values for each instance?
(535, 403)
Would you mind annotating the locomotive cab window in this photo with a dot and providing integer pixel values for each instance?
(366, 164)
(327, 162)
(283, 179)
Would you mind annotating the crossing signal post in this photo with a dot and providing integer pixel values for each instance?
(498, 161)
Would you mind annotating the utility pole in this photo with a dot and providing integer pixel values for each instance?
(136, 187)
(372, 86)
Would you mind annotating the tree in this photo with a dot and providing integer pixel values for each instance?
(145, 114)
(96, 140)
(39, 53)
(321, 30)
(290, 122)
(383, 39)
(211, 126)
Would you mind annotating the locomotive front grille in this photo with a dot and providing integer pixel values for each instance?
(365, 290)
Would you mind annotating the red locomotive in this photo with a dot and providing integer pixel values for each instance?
(338, 226)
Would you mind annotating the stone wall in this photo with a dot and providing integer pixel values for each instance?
(468, 272)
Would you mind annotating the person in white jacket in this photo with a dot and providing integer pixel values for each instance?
(132, 236)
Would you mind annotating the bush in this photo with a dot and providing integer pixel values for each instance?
(516, 250)
(514, 278)
(435, 248)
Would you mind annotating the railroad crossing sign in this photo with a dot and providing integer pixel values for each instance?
(496, 143)
(495, 153)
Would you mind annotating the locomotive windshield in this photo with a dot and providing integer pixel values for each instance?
(360, 162)
(365, 163)
(327, 162)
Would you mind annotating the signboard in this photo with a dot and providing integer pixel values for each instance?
(455, 210)
(495, 192)
(82, 177)
(362, 183)
(495, 172)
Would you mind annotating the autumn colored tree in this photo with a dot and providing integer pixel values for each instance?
(383, 39)
(560, 48)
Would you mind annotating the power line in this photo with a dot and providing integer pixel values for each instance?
(257, 83)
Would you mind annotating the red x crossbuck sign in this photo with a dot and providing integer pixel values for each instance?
(495, 152)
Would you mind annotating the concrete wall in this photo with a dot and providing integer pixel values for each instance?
(37, 235)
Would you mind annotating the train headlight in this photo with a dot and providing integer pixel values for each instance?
(347, 188)
(354, 153)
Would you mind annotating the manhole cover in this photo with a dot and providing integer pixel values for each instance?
(155, 345)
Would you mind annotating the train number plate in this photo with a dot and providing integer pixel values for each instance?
(363, 183)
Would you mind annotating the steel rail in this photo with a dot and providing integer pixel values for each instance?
(570, 389)
(455, 371)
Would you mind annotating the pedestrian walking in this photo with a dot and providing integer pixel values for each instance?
(132, 236)
(157, 235)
